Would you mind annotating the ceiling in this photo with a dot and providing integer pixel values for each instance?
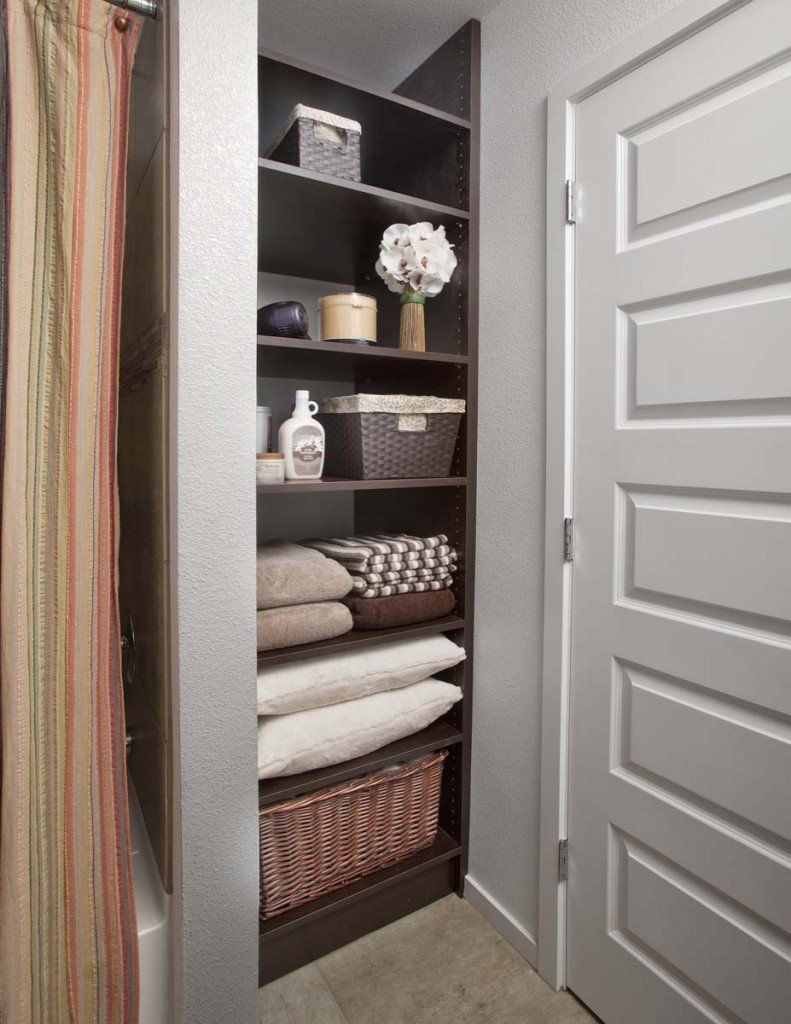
(376, 41)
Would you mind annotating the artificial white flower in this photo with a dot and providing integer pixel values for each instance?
(394, 285)
(396, 235)
(426, 284)
(397, 262)
(420, 232)
(416, 257)
(436, 259)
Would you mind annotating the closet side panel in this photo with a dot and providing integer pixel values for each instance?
(143, 449)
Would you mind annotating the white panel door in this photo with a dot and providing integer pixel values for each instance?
(679, 896)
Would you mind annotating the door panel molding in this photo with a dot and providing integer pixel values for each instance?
(663, 760)
(640, 878)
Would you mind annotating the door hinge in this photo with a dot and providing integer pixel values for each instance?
(563, 860)
(571, 201)
(568, 540)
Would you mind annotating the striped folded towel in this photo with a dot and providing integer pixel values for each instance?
(380, 579)
(389, 589)
(407, 575)
(412, 564)
(383, 565)
(364, 551)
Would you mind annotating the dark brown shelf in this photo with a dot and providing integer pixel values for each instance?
(316, 226)
(355, 355)
(443, 849)
(406, 145)
(337, 483)
(436, 737)
(359, 638)
(345, 96)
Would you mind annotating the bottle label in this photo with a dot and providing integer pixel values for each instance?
(307, 449)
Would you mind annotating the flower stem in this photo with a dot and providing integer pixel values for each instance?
(412, 328)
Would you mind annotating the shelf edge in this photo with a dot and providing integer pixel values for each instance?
(334, 484)
(348, 642)
(362, 189)
(385, 352)
(364, 765)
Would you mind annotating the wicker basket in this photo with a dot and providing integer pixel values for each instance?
(315, 844)
(319, 141)
(382, 437)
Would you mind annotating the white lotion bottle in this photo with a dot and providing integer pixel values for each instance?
(301, 440)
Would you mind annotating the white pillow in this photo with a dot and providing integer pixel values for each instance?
(332, 678)
(289, 744)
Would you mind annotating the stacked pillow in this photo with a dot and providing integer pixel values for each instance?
(334, 708)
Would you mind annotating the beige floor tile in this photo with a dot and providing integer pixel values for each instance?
(441, 965)
(271, 1006)
(303, 997)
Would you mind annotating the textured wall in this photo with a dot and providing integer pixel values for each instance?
(214, 189)
(376, 42)
(528, 46)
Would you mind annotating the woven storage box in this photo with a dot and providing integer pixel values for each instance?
(319, 141)
(380, 437)
(315, 844)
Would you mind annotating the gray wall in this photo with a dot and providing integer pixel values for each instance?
(214, 283)
(376, 42)
(528, 46)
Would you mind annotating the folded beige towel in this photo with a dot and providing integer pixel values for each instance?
(289, 574)
(301, 624)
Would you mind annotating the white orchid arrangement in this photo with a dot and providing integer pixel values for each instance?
(415, 260)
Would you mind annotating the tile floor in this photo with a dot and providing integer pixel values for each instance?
(441, 965)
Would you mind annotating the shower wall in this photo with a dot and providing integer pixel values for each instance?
(143, 447)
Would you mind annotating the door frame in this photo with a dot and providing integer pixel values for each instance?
(689, 17)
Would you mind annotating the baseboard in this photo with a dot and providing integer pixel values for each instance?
(502, 922)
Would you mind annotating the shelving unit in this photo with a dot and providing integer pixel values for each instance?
(420, 148)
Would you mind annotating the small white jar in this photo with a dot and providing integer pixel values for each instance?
(270, 468)
(263, 428)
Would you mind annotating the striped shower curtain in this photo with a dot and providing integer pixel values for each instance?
(67, 924)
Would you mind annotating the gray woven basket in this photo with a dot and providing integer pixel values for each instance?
(319, 141)
(383, 437)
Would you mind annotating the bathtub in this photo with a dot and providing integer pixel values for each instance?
(153, 922)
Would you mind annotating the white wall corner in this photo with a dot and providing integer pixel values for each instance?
(214, 260)
(504, 924)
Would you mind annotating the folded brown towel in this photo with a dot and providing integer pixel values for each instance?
(399, 610)
(289, 574)
(301, 624)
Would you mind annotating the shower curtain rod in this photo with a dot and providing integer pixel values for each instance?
(148, 8)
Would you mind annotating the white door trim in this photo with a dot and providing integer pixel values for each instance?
(688, 18)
